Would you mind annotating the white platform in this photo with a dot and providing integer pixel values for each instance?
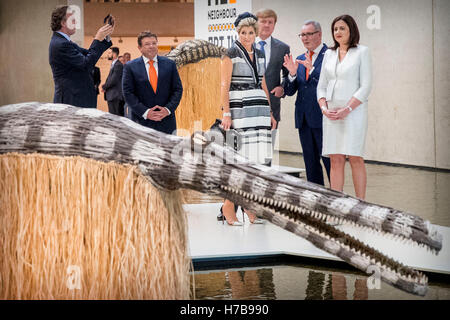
(298, 172)
(209, 239)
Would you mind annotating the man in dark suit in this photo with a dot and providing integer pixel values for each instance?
(113, 84)
(303, 78)
(275, 50)
(71, 65)
(152, 87)
(96, 76)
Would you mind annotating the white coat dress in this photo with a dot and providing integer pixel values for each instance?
(340, 81)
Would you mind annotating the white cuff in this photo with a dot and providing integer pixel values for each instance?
(146, 112)
(291, 78)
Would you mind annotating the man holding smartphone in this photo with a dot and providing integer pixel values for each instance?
(71, 65)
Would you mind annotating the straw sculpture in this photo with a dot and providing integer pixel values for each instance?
(169, 163)
(76, 228)
(198, 63)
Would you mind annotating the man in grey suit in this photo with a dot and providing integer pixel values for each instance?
(113, 84)
(275, 50)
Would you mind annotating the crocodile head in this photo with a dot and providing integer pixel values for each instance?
(198, 163)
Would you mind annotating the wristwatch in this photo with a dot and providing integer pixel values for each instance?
(227, 114)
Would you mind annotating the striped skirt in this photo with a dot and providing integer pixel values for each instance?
(250, 114)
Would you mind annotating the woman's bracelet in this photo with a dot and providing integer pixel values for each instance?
(350, 108)
(227, 114)
(323, 108)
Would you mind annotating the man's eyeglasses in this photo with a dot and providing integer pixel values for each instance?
(308, 34)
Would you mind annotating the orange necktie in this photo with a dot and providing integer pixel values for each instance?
(307, 70)
(152, 74)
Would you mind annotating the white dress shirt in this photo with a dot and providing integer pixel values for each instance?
(113, 63)
(267, 47)
(64, 35)
(147, 66)
(314, 57)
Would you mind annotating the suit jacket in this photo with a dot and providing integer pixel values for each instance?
(353, 79)
(97, 78)
(72, 67)
(306, 105)
(113, 84)
(139, 94)
(277, 51)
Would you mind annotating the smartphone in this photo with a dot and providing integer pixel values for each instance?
(108, 19)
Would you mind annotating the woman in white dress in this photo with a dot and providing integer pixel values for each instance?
(342, 92)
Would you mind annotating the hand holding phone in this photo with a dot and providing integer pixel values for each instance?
(109, 19)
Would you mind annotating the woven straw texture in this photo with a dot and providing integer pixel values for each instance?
(200, 104)
(75, 228)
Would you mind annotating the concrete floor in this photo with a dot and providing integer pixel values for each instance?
(422, 192)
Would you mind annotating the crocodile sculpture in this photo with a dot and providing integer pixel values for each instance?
(198, 163)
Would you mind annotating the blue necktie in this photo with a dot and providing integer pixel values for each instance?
(262, 43)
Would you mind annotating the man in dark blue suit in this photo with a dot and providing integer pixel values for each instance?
(113, 84)
(71, 65)
(303, 77)
(152, 87)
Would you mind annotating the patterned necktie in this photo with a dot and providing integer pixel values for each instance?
(262, 43)
(307, 70)
(152, 75)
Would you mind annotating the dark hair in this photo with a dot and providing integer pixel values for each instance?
(58, 15)
(145, 34)
(243, 16)
(352, 26)
(115, 50)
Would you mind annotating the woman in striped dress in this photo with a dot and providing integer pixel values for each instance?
(245, 101)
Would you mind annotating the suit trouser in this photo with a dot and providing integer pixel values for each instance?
(311, 140)
(274, 139)
(116, 107)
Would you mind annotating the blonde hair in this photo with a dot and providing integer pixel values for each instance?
(247, 22)
(266, 13)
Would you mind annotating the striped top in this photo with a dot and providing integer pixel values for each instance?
(246, 74)
(249, 106)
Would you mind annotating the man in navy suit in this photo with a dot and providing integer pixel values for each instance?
(152, 101)
(274, 51)
(303, 78)
(71, 65)
(113, 84)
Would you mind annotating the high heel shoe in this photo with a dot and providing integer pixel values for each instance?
(236, 223)
(220, 215)
(255, 221)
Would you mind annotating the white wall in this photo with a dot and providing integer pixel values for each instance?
(409, 113)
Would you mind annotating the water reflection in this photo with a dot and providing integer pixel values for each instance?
(323, 286)
(299, 283)
(236, 285)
